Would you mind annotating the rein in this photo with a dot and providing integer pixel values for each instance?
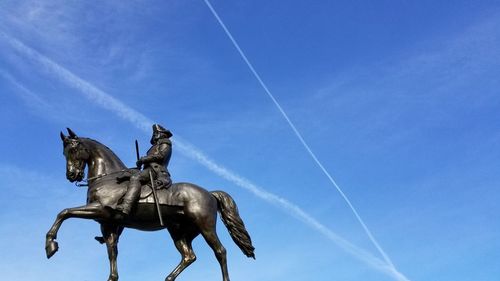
(85, 182)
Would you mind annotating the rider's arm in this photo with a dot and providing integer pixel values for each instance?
(163, 150)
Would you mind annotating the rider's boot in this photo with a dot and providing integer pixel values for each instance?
(130, 198)
(100, 239)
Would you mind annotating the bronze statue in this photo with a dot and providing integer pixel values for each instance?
(189, 210)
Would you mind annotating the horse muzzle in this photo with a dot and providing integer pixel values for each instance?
(72, 176)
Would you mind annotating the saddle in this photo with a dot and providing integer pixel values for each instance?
(147, 189)
(165, 190)
(167, 195)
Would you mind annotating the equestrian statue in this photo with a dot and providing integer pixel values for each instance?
(146, 199)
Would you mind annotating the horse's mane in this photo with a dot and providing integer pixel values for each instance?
(95, 144)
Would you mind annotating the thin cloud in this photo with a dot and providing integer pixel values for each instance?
(36, 105)
(143, 123)
(425, 86)
(300, 138)
(32, 99)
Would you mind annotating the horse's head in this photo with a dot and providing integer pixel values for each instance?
(76, 155)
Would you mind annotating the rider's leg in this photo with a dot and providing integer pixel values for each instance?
(133, 192)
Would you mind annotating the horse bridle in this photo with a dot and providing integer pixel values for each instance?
(86, 181)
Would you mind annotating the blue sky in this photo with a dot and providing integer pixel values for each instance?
(398, 100)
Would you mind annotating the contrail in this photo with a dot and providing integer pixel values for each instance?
(27, 95)
(299, 136)
(108, 102)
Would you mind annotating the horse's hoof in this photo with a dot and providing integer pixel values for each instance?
(113, 277)
(51, 248)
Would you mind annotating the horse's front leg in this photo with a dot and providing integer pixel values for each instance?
(91, 211)
(111, 234)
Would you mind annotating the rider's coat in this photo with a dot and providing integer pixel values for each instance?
(157, 159)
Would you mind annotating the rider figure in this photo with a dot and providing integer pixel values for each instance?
(156, 161)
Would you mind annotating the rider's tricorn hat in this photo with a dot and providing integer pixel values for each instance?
(159, 129)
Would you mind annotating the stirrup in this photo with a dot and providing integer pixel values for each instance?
(100, 239)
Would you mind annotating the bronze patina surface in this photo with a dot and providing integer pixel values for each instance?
(187, 209)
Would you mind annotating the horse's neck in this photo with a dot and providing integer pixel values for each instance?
(102, 160)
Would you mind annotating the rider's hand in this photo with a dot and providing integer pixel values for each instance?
(143, 160)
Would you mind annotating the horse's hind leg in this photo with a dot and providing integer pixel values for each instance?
(220, 252)
(111, 234)
(183, 244)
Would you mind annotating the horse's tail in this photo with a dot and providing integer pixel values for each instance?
(231, 219)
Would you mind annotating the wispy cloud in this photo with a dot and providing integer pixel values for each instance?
(300, 137)
(31, 99)
(88, 90)
(424, 75)
(440, 81)
(35, 104)
(106, 101)
(58, 27)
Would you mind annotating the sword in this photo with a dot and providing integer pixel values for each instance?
(137, 152)
(155, 196)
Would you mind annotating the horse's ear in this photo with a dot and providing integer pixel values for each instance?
(71, 134)
(63, 137)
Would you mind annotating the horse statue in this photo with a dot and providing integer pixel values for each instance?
(189, 210)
